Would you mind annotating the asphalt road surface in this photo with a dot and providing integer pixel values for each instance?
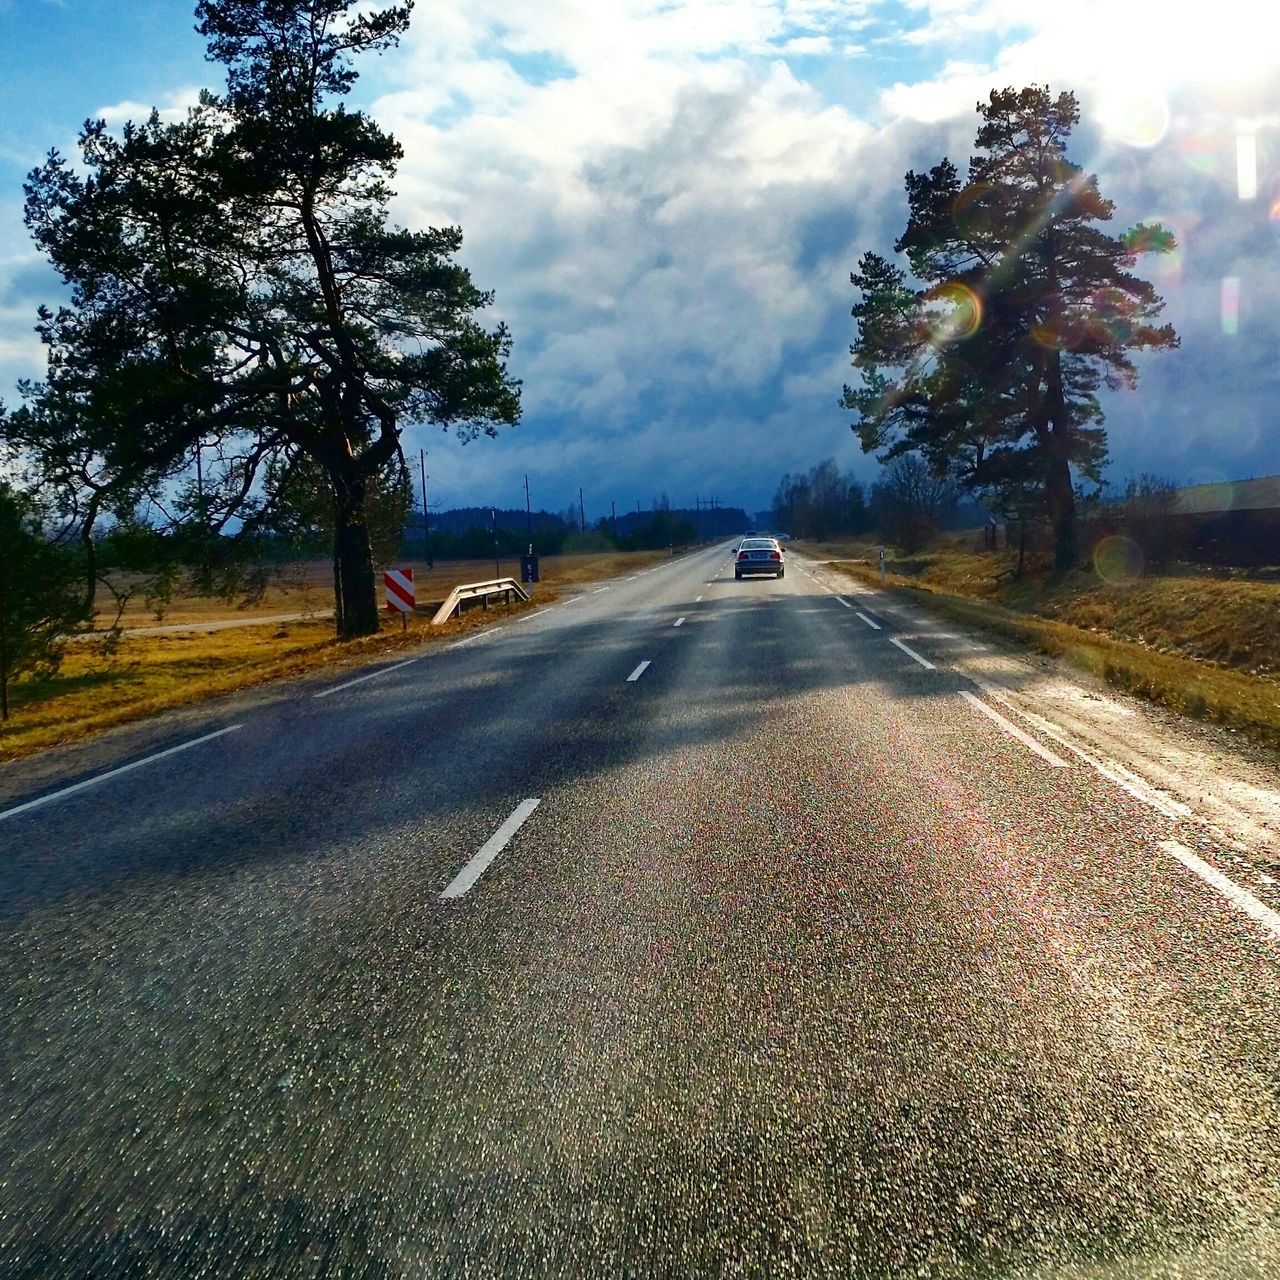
(814, 957)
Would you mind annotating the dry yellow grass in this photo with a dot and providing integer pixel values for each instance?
(308, 586)
(95, 690)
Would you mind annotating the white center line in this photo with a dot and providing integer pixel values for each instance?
(875, 626)
(638, 672)
(679, 622)
(373, 675)
(479, 864)
(1234, 894)
(1013, 731)
(114, 773)
(698, 600)
(844, 602)
(910, 652)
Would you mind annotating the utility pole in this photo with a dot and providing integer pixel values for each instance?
(426, 518)
(582, 514)
(528, 512)
(613, 517)
(493, 516)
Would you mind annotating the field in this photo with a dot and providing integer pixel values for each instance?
(100, 685)
(1204, 645)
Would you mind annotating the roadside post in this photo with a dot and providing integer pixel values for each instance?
(529, 567)
(882, 566)
(398, 584)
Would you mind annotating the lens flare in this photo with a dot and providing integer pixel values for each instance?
(1230, 305)
(962, 317)
(1246, 166)
(1118, 560)
(1136, 118)
(1160, 239)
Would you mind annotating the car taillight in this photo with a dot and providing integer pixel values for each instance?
(742, 555)
(775, 555)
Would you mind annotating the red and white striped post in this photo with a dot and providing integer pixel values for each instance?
(400, 596)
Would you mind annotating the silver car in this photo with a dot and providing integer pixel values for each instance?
(759, 555)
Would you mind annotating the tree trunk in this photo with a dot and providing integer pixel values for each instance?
(1060, 498)
(356, 597)
(1061, 503)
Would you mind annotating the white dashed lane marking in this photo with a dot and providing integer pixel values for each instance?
(480, 863)
(911, 653)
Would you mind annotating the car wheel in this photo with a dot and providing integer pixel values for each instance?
(738, 577)
(782, 573)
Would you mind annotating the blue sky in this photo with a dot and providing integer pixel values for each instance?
(667, 197)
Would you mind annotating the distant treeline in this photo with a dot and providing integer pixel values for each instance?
(468, 533)
(907, 506)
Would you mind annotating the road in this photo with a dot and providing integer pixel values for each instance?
(822, 953)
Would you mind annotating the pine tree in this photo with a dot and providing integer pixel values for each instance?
(1025, 308)
(239, 292)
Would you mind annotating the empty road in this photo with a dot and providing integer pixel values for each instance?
(686, 927)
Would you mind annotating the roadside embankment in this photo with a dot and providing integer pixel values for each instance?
(1206, 647)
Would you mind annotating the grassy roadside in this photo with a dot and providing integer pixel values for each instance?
(1207, 648)
(96, 689)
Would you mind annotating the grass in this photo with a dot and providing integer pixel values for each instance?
(1206, 647)
(96, 689)
(307, 586)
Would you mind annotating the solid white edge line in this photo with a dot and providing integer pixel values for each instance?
(679, 622)
(537, 613)
(1239, 897)
(481, 860)
(598, 590)
(113, 773)
(1012, 729)
(638, 672)
(373, 675)
(907, 649)
(875, 626)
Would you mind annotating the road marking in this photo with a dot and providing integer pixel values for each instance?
(633, 577)
(1012, 729)
(373, 675)
(875, 626)
(479, 635)
(907, 649)
(479, 864)
(598, 590)
(537, 613)
(844, 602)
(638, 672)
(1111, 770)
(1234, 894)
(114, 773)
(698, 600)
(679, 622)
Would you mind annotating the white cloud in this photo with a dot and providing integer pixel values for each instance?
(172, 108)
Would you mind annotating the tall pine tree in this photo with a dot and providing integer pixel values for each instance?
(240, 297)
(1020, 307)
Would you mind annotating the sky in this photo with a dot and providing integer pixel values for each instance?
(667, 198)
